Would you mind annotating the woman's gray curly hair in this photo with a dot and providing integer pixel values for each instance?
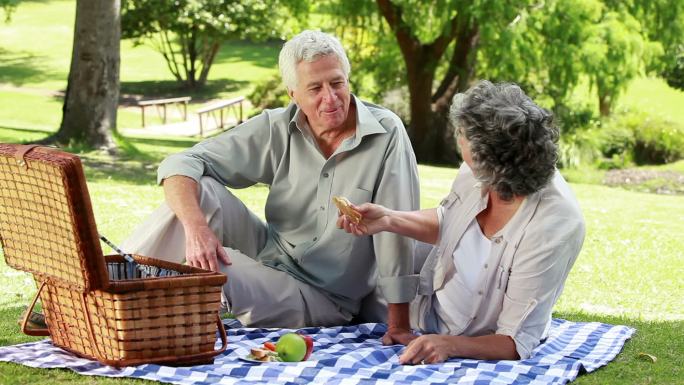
(513, 142)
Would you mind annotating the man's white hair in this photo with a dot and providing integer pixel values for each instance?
(309, 46)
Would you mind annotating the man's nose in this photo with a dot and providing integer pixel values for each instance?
(329, 94)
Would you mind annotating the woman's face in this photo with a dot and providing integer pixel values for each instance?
(464, 148)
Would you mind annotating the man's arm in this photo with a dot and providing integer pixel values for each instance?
(235, 158)
(202, 248)
(397, 187)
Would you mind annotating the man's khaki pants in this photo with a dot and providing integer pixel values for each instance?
(258, 295)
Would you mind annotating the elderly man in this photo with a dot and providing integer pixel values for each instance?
(296, 269)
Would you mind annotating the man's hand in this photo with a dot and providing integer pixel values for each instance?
(398, 329)
(203, 249)
(398, 336)
(375, 218)
(428, 349)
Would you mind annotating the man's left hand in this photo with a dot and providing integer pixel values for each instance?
(398, 336)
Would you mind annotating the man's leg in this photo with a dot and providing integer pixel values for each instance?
(162, 235)
(261, 296)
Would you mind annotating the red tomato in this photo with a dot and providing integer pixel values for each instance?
(270, 346)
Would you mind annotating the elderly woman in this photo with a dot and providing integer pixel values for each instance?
(502, 242)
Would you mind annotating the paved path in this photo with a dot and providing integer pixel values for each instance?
(188, 128)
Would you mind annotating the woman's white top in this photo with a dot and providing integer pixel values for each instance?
(471, 255)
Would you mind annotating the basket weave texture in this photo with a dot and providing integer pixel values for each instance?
(95, 306)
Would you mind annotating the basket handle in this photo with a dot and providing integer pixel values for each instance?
(22, 150)
(139, 361)
(24, 323)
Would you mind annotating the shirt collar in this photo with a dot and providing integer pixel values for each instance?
(366, 122)
(516, 225)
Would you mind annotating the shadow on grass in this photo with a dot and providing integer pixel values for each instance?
(18, 68)
(169, 88)
(9, 315)
(22, 135)
(137, 160)
(135, 163)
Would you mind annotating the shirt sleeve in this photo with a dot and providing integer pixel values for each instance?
(397, 188)
(237, 158)
(543, 260)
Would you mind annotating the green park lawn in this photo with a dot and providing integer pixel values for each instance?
(629, 271)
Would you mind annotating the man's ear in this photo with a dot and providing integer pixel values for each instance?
(290, 92)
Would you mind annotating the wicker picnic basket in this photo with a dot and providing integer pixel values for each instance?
(104, 308)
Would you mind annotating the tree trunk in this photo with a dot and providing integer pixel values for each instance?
(428, 130)
(605, 103)
(420, 76)
(89, 110)
(208, 60)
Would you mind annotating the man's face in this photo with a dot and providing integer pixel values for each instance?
(322, 92)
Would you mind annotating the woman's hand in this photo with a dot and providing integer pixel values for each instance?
(203, 249)
(375, 218)
(428, 349)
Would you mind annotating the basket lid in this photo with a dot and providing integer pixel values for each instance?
(47, 225)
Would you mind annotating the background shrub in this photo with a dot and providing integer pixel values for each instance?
(655, 140)
(624, 140)
(269, 93)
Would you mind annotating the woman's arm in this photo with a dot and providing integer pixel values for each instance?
(422, 225)
(434, 348)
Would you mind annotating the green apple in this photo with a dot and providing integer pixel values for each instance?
(291, 347)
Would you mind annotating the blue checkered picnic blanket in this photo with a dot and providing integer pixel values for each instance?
(354, 355)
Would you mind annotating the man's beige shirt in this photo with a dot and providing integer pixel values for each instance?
(376, 165)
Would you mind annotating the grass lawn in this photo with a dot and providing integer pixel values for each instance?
(628, 272)
(33, 68)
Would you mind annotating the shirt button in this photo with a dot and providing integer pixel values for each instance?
(497, 240)
(322, 208)
(325, 175)
(486, 266)
(315, 239)
(479, 292)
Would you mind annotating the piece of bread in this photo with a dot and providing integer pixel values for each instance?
(260, 354)
(345, 208)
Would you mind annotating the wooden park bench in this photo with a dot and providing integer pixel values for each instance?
(234, 105)
(183, 100)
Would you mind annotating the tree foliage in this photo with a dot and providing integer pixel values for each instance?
(8, 6)
(616, 53)
(431, 47)
(189, 33)
(549, 47)
(661, 21)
